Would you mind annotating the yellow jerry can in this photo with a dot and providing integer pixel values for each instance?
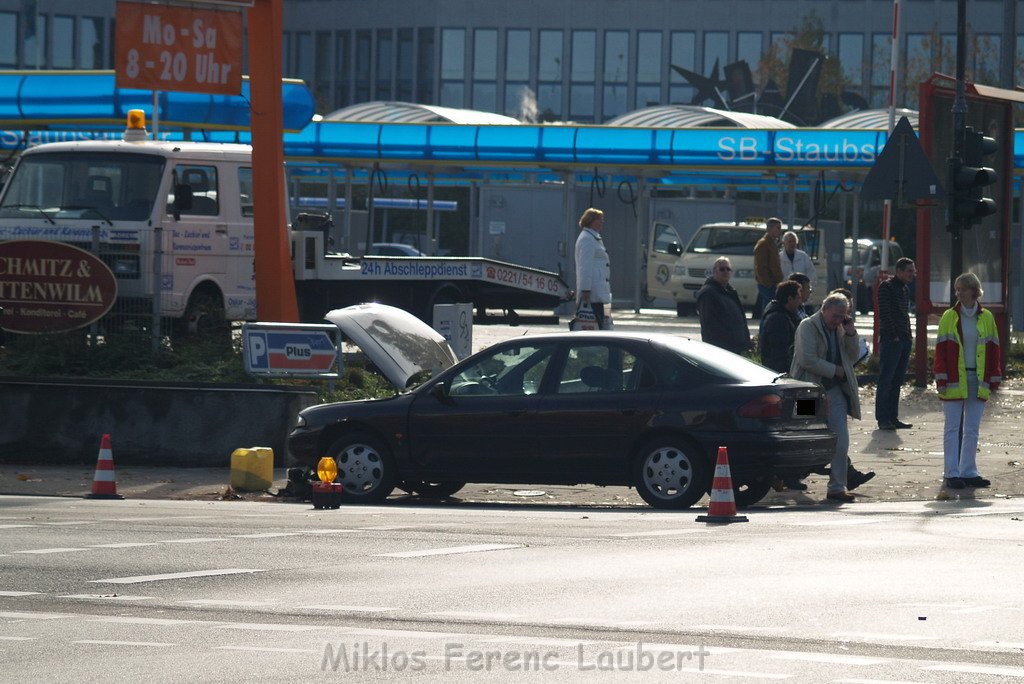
(252, 469)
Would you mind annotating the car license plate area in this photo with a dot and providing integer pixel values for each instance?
(805, 408)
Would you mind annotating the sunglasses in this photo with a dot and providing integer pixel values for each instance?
(723, 269)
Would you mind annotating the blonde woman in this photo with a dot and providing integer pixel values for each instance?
(593, 269)
(967, 371)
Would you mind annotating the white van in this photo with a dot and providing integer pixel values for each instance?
(735, 241)
(869, 259)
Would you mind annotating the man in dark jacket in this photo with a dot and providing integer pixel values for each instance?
(894, 342)
(722, 322)
(779, 327)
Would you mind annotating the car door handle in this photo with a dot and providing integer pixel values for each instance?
(222, 228)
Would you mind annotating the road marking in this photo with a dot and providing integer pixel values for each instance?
(476, 616)
(18, 593)
(657, 533)
(875, 681)
(61, 549)
(108, 597)
(835, 658)
(69, 523)
(175, 575)
(882, 637)
(472, 548)
(10, 638)
(836, 523)
(192, 540)
(264, 649)
(388, 528)
(541, 641)
(229, 602)
(123, 545)
(330, 531)
(99, 642)
(977, 669)
(142, 621)
(1000, 644)
(265, 535)
(13, 526)
(350, 609)
(267, 627)
(30, 615)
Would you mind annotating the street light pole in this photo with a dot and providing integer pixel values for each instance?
(959, 130)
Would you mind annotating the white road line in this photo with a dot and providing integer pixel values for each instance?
(265, 535)
(1000, 644)
(193, 540)
(175, 575)
(472, 548)
(388, 528)
(875, 681)
(476, 616)
(229, 602)
(541, 641)
(31, 615)
(267, 627)
(142, 621)
(107, 597)
(657, 533)
(836, 523)
(265, 649)
(61, 549)
(122, 545)
(350, 609)
(834, 658)
(326, 531)
(99, 642)
(882, 637)
(977, 669)
(11, 638)
(13, 526)
(18, 593)
(70, 523)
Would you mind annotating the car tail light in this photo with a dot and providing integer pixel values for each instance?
(765, 406)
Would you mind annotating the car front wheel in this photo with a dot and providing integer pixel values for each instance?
(749, 493)
(366, 469)
(670, 474)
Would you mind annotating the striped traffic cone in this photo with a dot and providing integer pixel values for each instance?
(723, 502)
(104, 484)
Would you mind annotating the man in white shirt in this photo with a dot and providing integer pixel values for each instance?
(795, 260)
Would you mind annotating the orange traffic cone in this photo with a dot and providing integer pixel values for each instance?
(723, 502)
(104, 484)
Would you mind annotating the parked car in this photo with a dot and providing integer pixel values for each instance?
(644, 410)
(861, 279)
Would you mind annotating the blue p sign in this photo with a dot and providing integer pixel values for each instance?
(256, 356)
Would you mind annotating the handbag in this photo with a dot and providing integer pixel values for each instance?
(583, 320)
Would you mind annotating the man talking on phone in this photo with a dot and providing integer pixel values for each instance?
(825, 351)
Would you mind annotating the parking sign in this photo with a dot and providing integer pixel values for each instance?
(289, 349)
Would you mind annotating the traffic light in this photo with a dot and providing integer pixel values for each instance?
(968, 178)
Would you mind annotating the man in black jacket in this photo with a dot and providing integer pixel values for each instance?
(722, 322)
(894, 343)
(779, 327)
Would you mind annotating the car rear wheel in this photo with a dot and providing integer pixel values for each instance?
(749, 493)
(433, 490)
(366, 469)
(670, 474)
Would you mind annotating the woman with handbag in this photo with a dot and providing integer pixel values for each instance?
(593, 269)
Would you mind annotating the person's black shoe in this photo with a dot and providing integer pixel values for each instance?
(886, 426)
(794, 484)
(976, 481)
(955, 483)
(856, 478)
(900, 425)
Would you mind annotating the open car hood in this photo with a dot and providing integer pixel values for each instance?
(397, 342)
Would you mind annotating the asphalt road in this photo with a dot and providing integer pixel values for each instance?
(246, 591)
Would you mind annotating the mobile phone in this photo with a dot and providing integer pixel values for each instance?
(847, 320)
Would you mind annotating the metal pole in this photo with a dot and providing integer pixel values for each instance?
(894, 70)
(156, 115)
(347, 221)
(959, 129)
(641, 238)
(432, 235)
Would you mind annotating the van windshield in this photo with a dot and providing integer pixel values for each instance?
(724, 240)
(100, 185)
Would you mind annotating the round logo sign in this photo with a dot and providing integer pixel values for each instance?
(52, 287)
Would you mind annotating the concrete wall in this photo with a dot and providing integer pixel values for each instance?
(168, 424)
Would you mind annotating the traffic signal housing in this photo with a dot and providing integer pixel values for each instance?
(969, 178)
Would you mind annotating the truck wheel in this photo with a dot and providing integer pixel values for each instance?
(443, 294)
(204, 317)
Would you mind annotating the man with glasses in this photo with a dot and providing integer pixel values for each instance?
(722, 322)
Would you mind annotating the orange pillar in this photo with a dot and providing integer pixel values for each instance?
(275, 284)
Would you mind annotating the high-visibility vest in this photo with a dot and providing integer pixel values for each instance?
(951, 367)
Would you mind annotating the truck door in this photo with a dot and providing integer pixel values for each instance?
(198, 241)
(663, 250)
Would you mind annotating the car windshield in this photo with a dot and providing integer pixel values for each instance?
(724, 240)
(719, 362)
(61, 185)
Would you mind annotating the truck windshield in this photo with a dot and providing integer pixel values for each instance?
(85, 185)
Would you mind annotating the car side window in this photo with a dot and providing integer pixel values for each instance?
(603, 368)
(664, 235)
(203, 181)
(510, 371)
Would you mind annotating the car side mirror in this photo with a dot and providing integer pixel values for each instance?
(674, 249)
(182, 199)
(440, 392)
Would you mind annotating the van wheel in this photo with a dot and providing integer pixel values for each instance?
(204, 318)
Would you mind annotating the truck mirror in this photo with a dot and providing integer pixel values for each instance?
(674, 249)
(182, 198)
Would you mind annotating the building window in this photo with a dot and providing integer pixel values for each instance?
(648, 68)
(34, 47)
(881, 65)
(62, 49)
(322, 71)
(984, 68)
(425, 66)
(582, 69)
(364, 41)
(616, 73)
(90, 43)
(851, 59)
(749, 48)
(385, 64)
(8, 48)
(716, 51)
(683, 55)
(404, 73)
(485, 70)
(343, 69)
(1018, 68)
(304, 56)
(947, 53)
(453, 67)
(550, 69)
(520, 101)
(286, 54)
(917, 65)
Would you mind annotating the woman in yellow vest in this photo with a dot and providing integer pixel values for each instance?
(967, 371)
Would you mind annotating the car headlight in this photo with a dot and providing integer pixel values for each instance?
(744, 273)
(300, 421)
(679, 270)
